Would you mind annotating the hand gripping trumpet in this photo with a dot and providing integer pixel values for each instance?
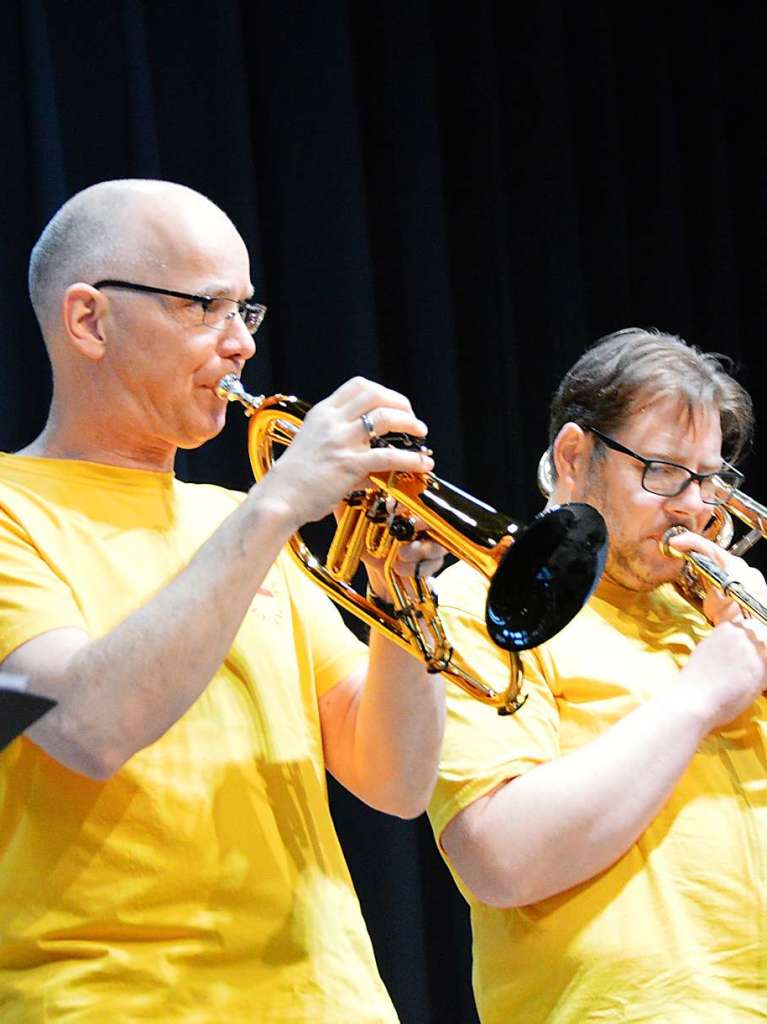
(540, 575)
(700, 570)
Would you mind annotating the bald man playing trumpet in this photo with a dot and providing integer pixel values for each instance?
(167, 849)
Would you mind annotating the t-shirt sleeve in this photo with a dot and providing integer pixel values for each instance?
(336, 652)
(481, 748)
(33, 597)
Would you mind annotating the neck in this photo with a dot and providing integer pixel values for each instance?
(65, 438)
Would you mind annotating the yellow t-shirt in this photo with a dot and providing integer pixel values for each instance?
(204, 882)
(676, 930)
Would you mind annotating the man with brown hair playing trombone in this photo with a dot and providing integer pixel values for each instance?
(611, 837)
(166, 847)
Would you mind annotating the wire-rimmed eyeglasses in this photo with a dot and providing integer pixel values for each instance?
(217, 311)
(667, 479)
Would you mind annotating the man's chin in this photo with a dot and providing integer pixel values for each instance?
(198, 437)
(644, 576)
(666, 574)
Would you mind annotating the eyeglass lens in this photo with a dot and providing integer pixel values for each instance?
(660, 478)
(219, 312)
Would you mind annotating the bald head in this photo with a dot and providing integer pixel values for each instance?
(125, 229)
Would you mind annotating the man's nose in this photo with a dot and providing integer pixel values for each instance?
(690, 504)
(237, 341)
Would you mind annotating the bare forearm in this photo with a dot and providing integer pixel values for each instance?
(121, 692)
(383, 738)
(564, 822)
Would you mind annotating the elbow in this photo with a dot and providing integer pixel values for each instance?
(487, 869)
(400, 807)
(494, 890)
(100, 766)
(97, 759)
(501, 897)
(397, 796)
(413, 803)
(400, 803)
(410, 811)
(506, 886)
(95, 753)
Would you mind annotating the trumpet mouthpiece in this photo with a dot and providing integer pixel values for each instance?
(230, 387)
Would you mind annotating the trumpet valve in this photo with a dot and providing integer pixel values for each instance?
(402, 528)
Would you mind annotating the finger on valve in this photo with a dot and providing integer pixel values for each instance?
(420, 559)
(398, 431)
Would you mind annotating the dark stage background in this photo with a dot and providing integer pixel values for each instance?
(453, 199)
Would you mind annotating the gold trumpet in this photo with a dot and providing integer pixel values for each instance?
(699, 569)
(540, 575)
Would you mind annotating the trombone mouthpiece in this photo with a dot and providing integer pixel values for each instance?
(666, 549)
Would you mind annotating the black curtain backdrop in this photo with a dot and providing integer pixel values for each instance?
(452, 199)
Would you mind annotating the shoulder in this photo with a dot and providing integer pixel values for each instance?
(461, 588)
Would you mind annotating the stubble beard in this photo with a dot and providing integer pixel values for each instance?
(625, 564)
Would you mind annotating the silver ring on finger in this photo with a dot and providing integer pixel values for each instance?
(367, 423)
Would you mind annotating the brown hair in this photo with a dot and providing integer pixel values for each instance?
(608, 382)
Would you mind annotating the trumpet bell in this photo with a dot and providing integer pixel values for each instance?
(546, 577)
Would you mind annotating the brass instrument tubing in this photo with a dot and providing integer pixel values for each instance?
(708, 570)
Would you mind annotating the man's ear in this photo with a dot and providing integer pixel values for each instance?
(571, 452)
(82, 311)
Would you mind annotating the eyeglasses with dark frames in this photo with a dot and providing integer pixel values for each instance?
(217, 311)
(667, 479)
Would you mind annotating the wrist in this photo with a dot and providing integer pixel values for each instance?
(689, 702)
(387, 607)
(270, 513)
